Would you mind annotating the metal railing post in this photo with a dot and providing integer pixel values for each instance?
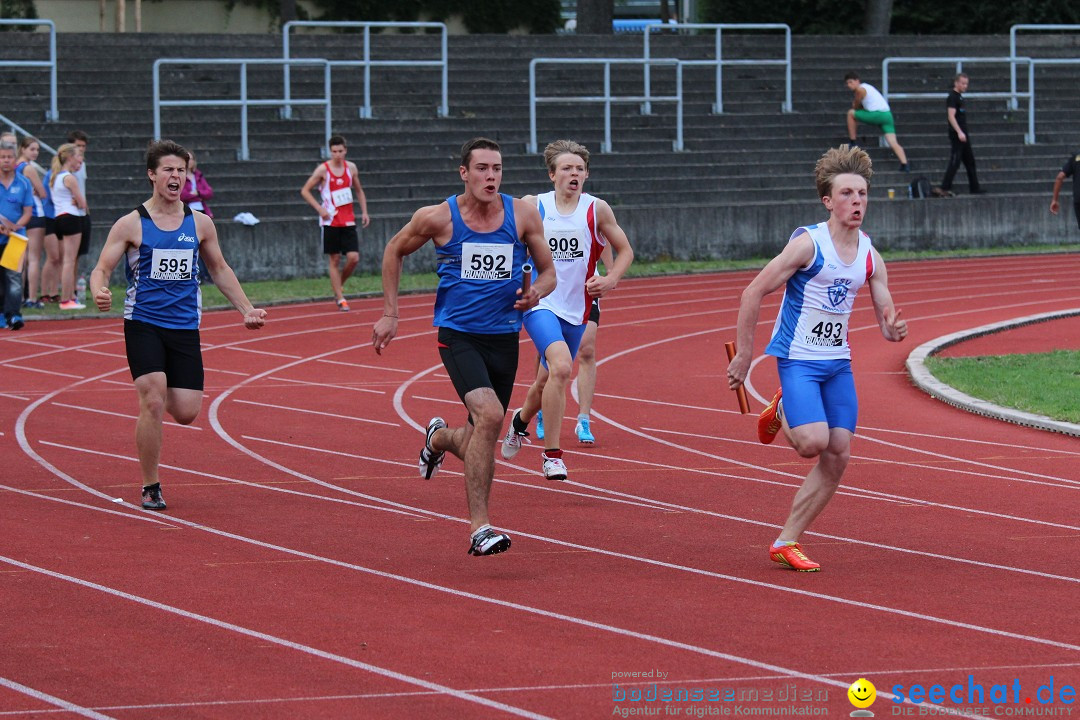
(286, 110)
(243, 113)
(1012, 51)
(679, 107)
(646, 107)
(531, 147)
(365, 111)
(1030, 139)
(444, 109)
(157, 99)
(718, 106)
(606, 147)
(324, 151)
(54, 112)
(787, 70)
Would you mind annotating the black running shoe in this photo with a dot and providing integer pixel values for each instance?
(430, 460)
(151, 497)
(489, 541)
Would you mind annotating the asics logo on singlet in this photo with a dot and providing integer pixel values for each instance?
(185, 238)
(838, 291)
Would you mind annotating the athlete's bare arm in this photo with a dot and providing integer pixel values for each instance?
(428, 223)
(125, 233)
(616, 238)
(893, 327)
(224, 277)
(358, 192)
(798, 254)
(312, 182)
(531, 226)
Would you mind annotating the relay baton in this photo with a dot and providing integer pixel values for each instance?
(526, 278)
(740, 392)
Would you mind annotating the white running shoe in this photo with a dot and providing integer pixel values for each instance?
(554, 468)
(430, 460)
(512, 441)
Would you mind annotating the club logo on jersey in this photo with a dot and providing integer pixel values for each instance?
(838, 291)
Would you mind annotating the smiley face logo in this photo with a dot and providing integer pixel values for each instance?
(862, 693)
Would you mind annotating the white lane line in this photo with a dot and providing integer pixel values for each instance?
(127, 416)
(316, 412)
(1068, 484)
(438, 400)
(307, 383)
(63, 501)
(361, 365)
(44, 372)
(236, 481)
(227, 372)
(951, 439)
(267, 353)
(553, 488)
(88, 351)
(14, 397)
(34, 342)
(279, 641)
(52, 700)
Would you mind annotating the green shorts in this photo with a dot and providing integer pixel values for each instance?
(881, 118)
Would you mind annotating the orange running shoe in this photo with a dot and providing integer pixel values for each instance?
(793, 556)
(769, 422)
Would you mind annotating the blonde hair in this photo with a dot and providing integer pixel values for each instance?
(561, 147)
(841, 161)
(63, 152)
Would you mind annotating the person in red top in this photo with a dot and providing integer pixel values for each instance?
(339, 187)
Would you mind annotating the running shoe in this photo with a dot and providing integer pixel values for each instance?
(540, 425)
(769, 421)
(512, 441)
(151, 497)
(793, 556)
(430, 460)
(16, 322)
(343, 305)
(554, 468)
(486, 540)
(584, 432)
(72, 305)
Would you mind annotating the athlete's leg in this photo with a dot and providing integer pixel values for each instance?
(50, 273)
(183, 404)
(895, 145)
(534, 397)
(586, 376)
(35, 238)
(819, 486)
(335, 275)
(852, 129)
(351, 260)
(152, 400)
(559, 363)
(69, 257)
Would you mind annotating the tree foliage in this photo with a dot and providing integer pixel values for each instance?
(490, 16)
(914, 17)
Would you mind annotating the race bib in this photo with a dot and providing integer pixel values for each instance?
(486, 261)
(824, 329)
(172, 264)
(567, 245)
(341, 197)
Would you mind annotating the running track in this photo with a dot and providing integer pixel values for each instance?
(304, 570)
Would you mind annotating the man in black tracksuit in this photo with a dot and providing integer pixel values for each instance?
(960, 151)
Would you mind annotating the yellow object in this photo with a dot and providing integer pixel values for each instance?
(862, 693)
(892, 193)
(13, 252)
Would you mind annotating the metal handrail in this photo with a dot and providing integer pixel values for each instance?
(16, 128)
(1012, 49)
(1029, 137)
(367, 63)
(719, 62)
(244, 101)
(607, 98)
(52, 114)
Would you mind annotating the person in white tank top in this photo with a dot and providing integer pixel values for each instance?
(577, 227)
(871, 107)
(816, 405)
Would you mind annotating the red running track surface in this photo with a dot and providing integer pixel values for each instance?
(304, 570)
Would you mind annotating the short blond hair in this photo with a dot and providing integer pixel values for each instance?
(561, 147)
(841, 161)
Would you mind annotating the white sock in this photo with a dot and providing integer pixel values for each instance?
(480, 529)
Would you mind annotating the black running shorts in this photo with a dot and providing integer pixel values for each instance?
(477, 361)
(338, 240)
(594, 311)
(67, 225)
(176, 353)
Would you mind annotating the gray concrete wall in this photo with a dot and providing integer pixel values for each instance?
(284, 249)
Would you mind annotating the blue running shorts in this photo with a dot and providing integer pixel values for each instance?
(545, 327)
(819, 391)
